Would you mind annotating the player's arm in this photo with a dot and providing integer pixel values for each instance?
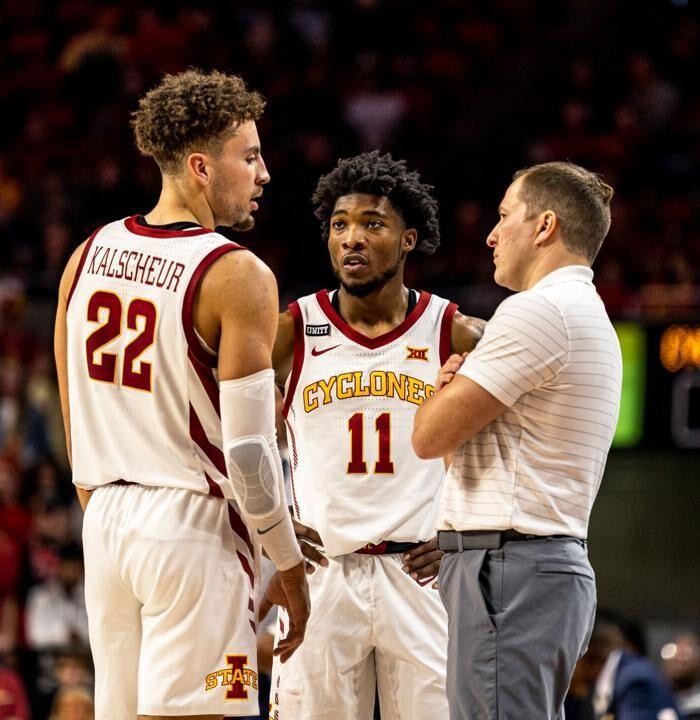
(466, 333)
(60, 348)
(282, 361)
(238, 301)
(283, 349)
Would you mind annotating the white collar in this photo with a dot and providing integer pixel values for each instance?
(569, 273)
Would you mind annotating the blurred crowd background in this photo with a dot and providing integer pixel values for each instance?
(467, 90)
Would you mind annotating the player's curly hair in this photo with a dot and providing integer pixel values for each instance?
(377, 174)
(190, 111)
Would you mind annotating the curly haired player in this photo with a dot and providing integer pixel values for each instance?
(356, 363)
(163, 347)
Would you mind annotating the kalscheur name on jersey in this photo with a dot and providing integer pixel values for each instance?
(136, 266)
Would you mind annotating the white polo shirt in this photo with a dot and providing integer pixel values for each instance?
(552, 356)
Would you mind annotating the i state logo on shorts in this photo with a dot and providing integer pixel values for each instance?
(234, 678)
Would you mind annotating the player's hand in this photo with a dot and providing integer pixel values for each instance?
(289, 590)
(305, 536)
(423, 562)
(448, 370)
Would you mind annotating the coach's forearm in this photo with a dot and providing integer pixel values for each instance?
(435, 432)
(452, 416)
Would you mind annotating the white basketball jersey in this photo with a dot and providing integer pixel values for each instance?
(144, 396)
(350, 403)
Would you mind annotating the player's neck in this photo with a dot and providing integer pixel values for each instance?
(174, 205)
(377, 313)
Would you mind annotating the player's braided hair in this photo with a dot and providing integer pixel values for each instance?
(191, 111)
(377, 174)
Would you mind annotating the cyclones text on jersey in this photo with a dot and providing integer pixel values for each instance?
(379, 383)
(136, 266)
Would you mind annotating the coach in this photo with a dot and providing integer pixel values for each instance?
(529, 416)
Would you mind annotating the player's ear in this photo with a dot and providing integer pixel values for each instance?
(546, 223)
(199, 168)
(409, 240)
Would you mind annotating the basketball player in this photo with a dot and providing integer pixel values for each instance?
(356, 363)
(163, 347)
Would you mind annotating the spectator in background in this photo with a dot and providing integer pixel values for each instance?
(56, 614)
(13, 698)
(681, 660)
(619, 683)
(70, 669)
(73, 704)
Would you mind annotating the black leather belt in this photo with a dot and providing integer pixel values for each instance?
(388, 547)
(454, 541)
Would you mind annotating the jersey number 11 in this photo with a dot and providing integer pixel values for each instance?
(357, 464)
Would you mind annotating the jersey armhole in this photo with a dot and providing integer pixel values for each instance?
(193, 342)
(298, 361)
(81, 264)
(446, 332)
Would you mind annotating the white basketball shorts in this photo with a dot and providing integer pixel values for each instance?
(169, 602)
(371, 626)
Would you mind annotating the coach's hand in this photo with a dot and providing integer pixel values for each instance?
(305, 536)
(288, 589)
(448, 370)
(423, 562)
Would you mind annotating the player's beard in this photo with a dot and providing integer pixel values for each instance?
(369, 286)
(234, 216)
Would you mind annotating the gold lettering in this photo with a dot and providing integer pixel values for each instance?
(211, 681)
(397, 386)
(310, 403)
(343, 391)
(360, 389)
(414, 388)
(378, 383)
(327, 386)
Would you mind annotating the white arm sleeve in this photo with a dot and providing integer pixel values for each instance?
(254, 465)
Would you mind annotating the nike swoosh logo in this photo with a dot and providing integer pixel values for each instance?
(262, 532)
(316, 353)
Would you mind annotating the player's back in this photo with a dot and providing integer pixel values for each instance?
(143, 388)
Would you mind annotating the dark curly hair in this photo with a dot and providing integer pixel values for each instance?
(377, 174)
(189, 111)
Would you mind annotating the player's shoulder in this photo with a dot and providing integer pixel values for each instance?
(240, 269)
(71, 269)
(466, 332)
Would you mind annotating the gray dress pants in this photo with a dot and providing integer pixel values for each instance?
(519, 619)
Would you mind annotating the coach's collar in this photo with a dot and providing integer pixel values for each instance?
(570, 273)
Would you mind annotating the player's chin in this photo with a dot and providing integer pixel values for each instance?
(244, 224)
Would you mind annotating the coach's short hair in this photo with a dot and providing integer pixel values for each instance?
(192, 111)
(381, 175)
(580, 199)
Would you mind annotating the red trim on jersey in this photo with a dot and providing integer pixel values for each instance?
(246, 567)
(214, 487)
(446, 332)
(239, 527)
(381, 340)
(294, 460)
(206, 377)
(298, 362)
(81, 264)
(193, 341)
(208, 448)
(135, 227)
